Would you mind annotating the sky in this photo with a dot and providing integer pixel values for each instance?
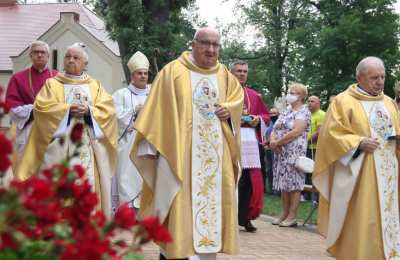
(209, 10)
(223, 10)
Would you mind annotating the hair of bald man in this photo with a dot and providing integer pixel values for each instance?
(81, 47)
(39, 43)
(314, 97)
(237, 62)
(367, 62)
(203, 30)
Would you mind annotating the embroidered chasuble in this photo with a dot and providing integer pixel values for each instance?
(191, 186)
(359, 210)
(128, 182)
(52, 121)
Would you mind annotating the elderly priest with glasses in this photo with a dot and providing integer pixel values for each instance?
(74, 97)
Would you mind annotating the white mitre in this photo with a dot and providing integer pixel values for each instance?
(138, 61)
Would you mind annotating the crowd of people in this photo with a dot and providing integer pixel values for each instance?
(181, 147)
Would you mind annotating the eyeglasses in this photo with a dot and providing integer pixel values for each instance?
(36, 52)
(207, 44)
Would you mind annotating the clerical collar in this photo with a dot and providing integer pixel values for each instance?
(363, 91)
(138, 91)
(70, 76)
(40, 71)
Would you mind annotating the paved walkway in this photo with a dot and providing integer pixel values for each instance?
(271, 243)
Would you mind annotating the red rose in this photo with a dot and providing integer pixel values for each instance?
(40, 188)
(5, 105)
(125, 216)
(76, 133)
(5, 145)
(5, 163)
(18, 185)
(89, 201)
(7, 241)
(79, 170)
(5, 150)
(99, 218)
(155, 230)
(48, 173)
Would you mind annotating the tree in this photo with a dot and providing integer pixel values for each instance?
(155, 27)
(339, 35)
(235, 48)
(276, 20)
(319, 43)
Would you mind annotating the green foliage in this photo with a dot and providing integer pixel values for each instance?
(156, 28)
(275, 61)
(132, 256)
(319, 43)
(339, 35)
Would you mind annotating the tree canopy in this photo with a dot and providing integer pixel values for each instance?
(155, 27)
(319, 43)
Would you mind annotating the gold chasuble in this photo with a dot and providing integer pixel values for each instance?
(359, 210)
(51, 111)
(191, 186)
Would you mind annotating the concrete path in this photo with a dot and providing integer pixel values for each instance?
(271, 243)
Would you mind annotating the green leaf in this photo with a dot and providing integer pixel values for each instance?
(62, 231)
(132, 256)
(8, 254)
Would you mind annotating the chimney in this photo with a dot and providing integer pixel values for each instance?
(8, 2)
(69, 17)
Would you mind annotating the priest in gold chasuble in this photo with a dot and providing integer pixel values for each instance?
(356, 170)
(187, 151)
(64, 100)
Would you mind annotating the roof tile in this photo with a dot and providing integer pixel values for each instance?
(22, 24)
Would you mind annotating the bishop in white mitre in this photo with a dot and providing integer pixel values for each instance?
(127, 184)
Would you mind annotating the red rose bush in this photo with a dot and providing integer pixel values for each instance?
(55, 215)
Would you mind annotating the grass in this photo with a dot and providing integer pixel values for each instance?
(272, 207)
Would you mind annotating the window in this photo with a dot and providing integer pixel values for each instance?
(55, 59)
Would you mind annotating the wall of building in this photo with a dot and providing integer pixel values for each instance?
(4, 78)
(103, 65)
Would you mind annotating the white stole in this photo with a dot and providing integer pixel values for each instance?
(91, 153)
(347, 172)
(80, 94)
(207, 152)
(386, 168)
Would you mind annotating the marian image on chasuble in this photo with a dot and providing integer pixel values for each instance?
(52, 121)
(359, 203)
(192, 184)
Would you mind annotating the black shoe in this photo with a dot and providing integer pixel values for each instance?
(250, 228)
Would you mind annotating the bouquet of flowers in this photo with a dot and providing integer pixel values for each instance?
(55, 215)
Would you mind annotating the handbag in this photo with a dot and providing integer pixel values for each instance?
(305, 164)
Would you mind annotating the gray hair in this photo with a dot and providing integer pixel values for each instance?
(205, 29)
(237, 62)
(81, 47)
(367, 62)
(39, 43)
